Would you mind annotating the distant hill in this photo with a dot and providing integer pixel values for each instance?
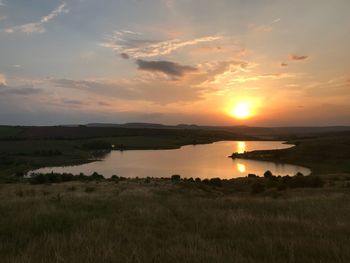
(94, 130)
(238, 129)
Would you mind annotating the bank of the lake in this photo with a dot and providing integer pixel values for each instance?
(202, 161)
(26, 148)
(322, 154)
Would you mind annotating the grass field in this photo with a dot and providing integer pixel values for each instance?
(162, 221)
(248, 220)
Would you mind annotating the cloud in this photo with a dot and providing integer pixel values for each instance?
(38, 27)
(2, 80)
(283, 64)
(124, 56)
(73, 102)
(20, 90)
(133, 45)
(297, 57)
(156, 92)
(2, 3)
(207, 49)
(265, 27)
(224, 72)
(169, 68)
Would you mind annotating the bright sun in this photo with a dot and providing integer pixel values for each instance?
(242, 110)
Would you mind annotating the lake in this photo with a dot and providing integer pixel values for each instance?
(203, 161)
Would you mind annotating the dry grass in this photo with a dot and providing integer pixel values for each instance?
(164, 222)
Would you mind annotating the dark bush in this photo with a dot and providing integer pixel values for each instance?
(215, 182)
(198, 180)
(175, 178)
(96, 176)
(301, 181)
(205, 181)
(39, 179)
(268, 174)
(252, 176)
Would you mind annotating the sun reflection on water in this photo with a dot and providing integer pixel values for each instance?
(241, 147)
(241, 168)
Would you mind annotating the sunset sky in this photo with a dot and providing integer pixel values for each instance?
(175, 61)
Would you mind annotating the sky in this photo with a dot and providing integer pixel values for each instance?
(286, 63)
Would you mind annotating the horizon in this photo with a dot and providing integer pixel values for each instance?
(100, 124)
(224, 63)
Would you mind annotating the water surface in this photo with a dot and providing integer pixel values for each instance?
(203, 161)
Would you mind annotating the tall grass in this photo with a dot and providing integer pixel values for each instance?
(163, 221)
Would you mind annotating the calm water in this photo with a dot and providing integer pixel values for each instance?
(204, 161)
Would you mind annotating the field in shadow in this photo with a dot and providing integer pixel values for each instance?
(163, 220)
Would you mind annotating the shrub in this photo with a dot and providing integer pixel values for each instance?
(198, 180)
(96, 176)
(252, 176)
(205, 181)
(148, 180)
(175, 178)
(268, 174)
(215, 182)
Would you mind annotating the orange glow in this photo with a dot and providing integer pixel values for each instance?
(241, 168)
(242, 108)
(241, 111)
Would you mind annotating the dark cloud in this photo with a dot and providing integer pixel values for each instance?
(20, 90)
(167, 67)
(296, 57)
(73, 102)
(103, 103)
(124, 56)
(283, 64)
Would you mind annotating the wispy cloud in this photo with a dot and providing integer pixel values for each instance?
(297, 57)
(265, 27)
(155, 92)
(38, 27)
(2, 3)
(169, 68)
(133, 44)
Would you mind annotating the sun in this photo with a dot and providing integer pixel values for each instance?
(242, 110)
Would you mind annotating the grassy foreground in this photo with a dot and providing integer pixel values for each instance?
(165, 221)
